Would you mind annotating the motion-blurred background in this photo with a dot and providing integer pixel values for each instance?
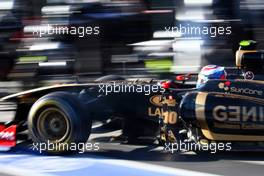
(132, 38)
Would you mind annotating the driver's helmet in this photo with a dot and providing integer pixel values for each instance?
(210, 72)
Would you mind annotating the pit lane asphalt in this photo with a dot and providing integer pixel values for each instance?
(114, 158)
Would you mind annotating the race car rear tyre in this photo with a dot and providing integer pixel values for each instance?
(58, 121)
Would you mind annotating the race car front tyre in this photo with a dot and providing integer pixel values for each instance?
(58, 122)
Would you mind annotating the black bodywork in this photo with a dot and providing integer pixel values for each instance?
(222, 110)
(132, 105)
(229, 110)
(245, 97)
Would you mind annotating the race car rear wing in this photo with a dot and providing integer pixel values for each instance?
(247, 56)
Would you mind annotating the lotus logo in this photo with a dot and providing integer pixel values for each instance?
(156, 100)
(224, 86)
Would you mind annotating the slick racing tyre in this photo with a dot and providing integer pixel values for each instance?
(59, 121)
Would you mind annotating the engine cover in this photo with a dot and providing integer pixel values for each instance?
(225, 116)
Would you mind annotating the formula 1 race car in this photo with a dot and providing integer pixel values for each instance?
(217, 108)
(64, 113)
(220, 110)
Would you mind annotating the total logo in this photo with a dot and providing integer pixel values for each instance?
(7, 136)
(226, 86)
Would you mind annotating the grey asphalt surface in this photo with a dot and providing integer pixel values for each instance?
(221, 163)
(224, 163)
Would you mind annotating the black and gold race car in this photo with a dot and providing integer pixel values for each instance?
(64, 113)
(228, 111)
(220, 110)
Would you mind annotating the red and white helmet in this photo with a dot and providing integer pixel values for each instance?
(210, 72)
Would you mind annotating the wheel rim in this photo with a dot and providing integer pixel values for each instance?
(53, 124)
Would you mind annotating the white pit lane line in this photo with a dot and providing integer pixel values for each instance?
(10, 170)
(252, 162)
(153, 168)
(23, 165)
